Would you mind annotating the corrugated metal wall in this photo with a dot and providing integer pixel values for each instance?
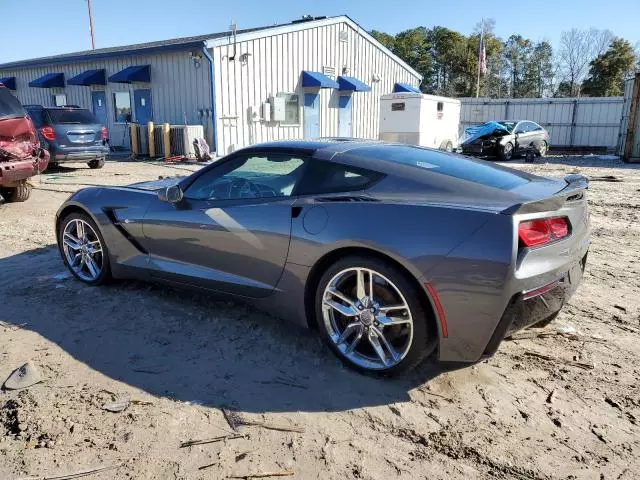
(571, 122)
(274, 63)
(179, 88)
(626, 108)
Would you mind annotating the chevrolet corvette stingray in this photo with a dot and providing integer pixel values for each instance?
(391, 252)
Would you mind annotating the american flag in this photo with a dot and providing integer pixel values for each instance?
(482, 56)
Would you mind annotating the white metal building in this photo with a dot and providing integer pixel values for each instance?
(310, 78)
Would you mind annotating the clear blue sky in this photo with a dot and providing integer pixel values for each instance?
(35, 28)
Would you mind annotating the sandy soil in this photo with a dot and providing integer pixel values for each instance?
(537, 410)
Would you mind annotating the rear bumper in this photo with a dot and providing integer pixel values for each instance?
(529, 308)
(14, 172)
(78, 155)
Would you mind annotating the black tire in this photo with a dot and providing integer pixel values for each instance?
(447, 146)
(105, 274)
(52, 166)
(21, 193)
(543, 149)
(424, 340)
(95, 164)
(505, 153)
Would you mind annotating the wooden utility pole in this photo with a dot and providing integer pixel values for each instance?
(93, 40)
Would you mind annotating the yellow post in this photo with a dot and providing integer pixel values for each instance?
(165, 140)
(134, 138)
(152, 140)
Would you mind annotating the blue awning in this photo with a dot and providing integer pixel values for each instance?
(89, 77)
(49, 80)
(137, 73)
(353, 84)
(405, 87)
(9, 82)
(317, 80)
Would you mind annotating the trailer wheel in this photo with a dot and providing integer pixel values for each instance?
(447, 146)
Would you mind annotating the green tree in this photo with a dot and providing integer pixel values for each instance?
(608, 70)
(414, 48)
(384, 38)
(539, 72)
(448, 54)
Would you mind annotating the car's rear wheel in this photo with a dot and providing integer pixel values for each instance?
(506, 152)
(83, 249)
(542, 149)
(19, 193)
(97, 163)
(371, 316)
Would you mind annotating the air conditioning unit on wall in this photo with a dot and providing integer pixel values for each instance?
(182, 137)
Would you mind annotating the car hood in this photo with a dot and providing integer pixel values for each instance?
(477, 132)
(157, 184)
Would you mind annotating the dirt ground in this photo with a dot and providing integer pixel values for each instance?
(564, 404)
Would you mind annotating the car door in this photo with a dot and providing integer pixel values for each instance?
(520, 132)
(231, 230)
(537, 134)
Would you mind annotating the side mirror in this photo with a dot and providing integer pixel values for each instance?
(171, 194)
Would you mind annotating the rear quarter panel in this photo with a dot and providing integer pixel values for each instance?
(465, 254)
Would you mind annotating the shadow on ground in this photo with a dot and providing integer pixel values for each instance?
(187, 346)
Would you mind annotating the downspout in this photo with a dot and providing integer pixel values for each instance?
(207, 55)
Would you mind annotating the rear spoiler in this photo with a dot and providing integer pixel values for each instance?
(576, 184)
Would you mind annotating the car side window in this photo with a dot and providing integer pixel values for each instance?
(535, 127)
(521, 128)
(328, 177)
(249, 176)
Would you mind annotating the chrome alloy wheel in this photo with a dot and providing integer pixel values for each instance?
(82, 249)
(367, 318)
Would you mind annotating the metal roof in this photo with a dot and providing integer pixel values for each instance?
(175, 44)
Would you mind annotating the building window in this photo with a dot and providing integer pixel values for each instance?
(59, 99)
(122, 107)
(291, 108)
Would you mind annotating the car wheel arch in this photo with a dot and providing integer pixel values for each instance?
(68, 210)
(324, 262)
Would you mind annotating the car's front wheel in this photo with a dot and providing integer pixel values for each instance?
(505, 152)
(371, 316)
(83, 248)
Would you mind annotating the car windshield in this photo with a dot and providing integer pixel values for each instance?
(509, 126)
(10, 107)
(68, 115)
(475, 171)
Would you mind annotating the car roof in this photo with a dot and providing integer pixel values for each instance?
(309, 147)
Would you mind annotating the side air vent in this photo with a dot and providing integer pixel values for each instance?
(116, 223)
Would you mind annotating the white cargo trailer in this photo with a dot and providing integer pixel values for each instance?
(418, 119)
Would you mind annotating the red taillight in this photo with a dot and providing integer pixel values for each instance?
(103, 133)
(534, 233)
(48, 132)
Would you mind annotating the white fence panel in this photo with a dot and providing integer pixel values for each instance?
(571, 122)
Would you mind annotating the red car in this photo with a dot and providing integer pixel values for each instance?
(20, 154)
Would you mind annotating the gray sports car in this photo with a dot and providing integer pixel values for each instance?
(391, 252)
